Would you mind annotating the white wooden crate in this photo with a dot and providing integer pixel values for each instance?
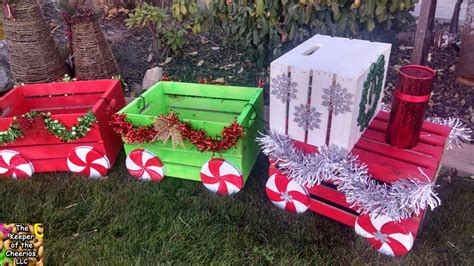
(316, 89)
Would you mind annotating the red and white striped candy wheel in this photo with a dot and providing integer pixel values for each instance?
(13, 164)
(385, 235)
(145, 166)
(88, 161)
(286, 194)
(221, 177)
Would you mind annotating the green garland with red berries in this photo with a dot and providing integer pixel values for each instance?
(17, 129)
(170, 127)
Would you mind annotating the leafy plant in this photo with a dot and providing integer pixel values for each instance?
(152, 18)
(263, 28)
(168, 32)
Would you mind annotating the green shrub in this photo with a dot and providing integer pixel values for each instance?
(262, 28)
(168, 32)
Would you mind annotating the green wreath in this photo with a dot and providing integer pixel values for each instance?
(373, 83)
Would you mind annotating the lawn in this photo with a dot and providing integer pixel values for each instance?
(120, 221)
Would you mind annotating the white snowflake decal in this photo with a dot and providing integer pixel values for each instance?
(337, 99)
(284, 88)
(307, 117)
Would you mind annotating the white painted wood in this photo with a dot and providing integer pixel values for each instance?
(302, 78)
(277, 107)
(341, 124)
(344, 60)
(321, 80)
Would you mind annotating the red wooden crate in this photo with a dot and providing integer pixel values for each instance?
(66, 102)
(387, 164)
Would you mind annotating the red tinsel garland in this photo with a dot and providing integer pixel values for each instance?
(198, 137)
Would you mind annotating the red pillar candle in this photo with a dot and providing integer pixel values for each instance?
(412, 94)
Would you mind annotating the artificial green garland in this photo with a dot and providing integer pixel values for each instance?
(58, 129)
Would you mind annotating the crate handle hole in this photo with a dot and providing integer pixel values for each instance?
(5, 111)
(311, 50)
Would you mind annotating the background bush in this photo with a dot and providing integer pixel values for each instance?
(263, 28)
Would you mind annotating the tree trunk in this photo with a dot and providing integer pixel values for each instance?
(465, 66)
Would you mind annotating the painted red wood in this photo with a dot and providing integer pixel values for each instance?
(421, 147)
(332, 212)
(385, 163)
(399, 154)
(55, 151)
(66, 102)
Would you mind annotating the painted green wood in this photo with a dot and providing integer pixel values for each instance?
(211, 91)
(220, 105)
(204, 115)
(186, 162)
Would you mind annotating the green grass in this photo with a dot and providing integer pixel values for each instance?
(125, 222)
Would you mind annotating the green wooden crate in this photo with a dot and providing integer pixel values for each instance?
(208, 107)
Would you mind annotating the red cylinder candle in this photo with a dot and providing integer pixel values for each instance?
(412, 94)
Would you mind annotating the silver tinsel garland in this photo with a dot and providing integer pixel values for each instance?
(460, 132)
(399, 200)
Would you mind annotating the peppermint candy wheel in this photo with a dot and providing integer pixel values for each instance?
(221, 177)
(13, 164)
(286, 194)
(385, 235)
(88, 161)
(145, 166)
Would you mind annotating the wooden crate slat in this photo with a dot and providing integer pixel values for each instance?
(213, 104)
(427, 126)
(53, 151)
(425, 137)
(423, 148)
(344, 130)
(321, 80)
(12, 104)
(388, 151)
(77, 87)
(204, 115)
(210, 91)
(389, 170)
(278, 114)
(332, 212)
(302, 78)
(62, 102)
(329, 194)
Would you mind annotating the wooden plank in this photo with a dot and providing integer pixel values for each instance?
(253, 110)
(204, 115)
(213, 104)
(321, 80)
(278, 108)
(52, 151)
(425, 137)
(388, 151)
(12, 104)
(332, 212)
(77, 87)
(423, 148)
(389, 170)
(423, 32)
(427, 126)
(50, 165)
(329, 194)
(207, 90)
(302, 78)
(63, 102)
(344, 131)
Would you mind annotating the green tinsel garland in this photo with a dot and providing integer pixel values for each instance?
(58, 129)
